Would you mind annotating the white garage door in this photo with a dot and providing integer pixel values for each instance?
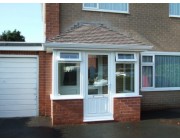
(18, 86)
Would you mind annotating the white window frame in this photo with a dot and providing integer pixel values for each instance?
(135, 61)
(153, 88)
(177, 16)
(126, 60)
(103, 10)
(55, 61)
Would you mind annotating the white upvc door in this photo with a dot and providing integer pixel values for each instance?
(97, 102)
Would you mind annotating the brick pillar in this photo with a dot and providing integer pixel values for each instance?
(127, 109)
(52, 20)
(45, 83)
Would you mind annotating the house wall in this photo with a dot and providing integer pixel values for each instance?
(51, 20)
(45, 75)
(149, 23)
(160, 100)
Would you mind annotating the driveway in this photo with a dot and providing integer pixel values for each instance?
(157, 124)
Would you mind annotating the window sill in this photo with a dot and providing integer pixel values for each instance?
(174, 16)
(65, 97)
(126, 95)
(159, 89)
(106, 11)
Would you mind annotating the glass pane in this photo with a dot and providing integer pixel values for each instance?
(69, 78)
(113, 6)
(97, 74)
(147, 76)
(124, 78)
(125, 56)
(167, 69)
(147, 59)
(90, 5)
(69, 55)
(174, 9)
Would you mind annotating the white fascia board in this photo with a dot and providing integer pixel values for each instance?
(21, 48)
(105, 47)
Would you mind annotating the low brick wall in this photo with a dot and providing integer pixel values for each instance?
(127, 109)
(67, 112)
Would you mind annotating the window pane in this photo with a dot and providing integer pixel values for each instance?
(69, 78)
(125, 56)
(69, 55)
(113, 6)
(147, 76)
(167, 71)
(124, 78)
(147, 59)
(174, 9)
(90, 5)
(97, 74)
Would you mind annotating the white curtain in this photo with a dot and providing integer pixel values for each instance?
(167, 71)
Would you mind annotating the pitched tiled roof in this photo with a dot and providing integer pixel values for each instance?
(89, 33)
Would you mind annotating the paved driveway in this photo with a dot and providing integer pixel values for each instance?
(158, 124)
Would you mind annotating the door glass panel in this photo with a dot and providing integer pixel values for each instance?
(97, 74)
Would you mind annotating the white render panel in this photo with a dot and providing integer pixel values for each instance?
(18, 86)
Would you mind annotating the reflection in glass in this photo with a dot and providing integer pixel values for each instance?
(124, 78)
(69, 78)
(97, 74)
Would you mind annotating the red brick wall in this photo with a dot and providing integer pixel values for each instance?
(45, 75)
(67, 112)
(52, 20)
(127, 109)
(45, 83)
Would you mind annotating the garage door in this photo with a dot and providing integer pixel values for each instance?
(18, 86)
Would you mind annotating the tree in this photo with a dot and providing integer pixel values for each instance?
(12, 36)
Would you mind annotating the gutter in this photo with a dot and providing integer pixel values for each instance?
(21, 46)
(49, 47)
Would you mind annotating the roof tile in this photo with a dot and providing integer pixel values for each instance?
(90, 33)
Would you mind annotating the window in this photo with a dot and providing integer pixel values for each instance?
(67, 82)
(125, 57)
(162, 73)
(126, 67)
(147, 71)
(124, 78)
(70, 56)
(174, 9)
(107, 7)
(69, 78)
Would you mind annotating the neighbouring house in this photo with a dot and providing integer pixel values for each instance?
(100, 62)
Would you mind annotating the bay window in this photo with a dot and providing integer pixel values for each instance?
(162, 72)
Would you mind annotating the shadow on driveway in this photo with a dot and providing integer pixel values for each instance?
(35, 127)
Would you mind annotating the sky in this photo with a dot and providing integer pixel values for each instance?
(24, 17)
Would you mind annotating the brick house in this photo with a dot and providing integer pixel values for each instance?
(99, 62)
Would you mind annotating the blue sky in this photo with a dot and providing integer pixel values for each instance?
(25, 17)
